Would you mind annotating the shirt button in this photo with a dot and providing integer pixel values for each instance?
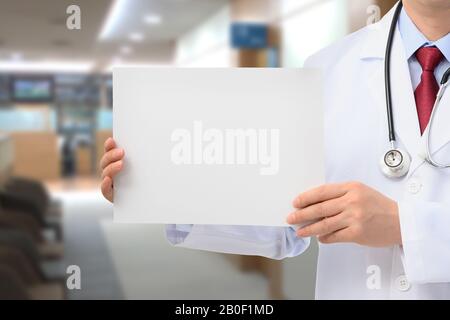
(402, 283)
(414, 186)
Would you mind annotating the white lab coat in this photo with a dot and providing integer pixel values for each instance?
(355, 140)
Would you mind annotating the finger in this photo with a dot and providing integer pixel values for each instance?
(324, 226)
(111, 156)
(316, 211)
(109, 144)
(343, 235)
(112, 169)
(107, 188)
(319, 194)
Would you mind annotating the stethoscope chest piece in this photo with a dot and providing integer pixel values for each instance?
(395, 163)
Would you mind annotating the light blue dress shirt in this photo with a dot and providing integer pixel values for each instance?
(412, 39)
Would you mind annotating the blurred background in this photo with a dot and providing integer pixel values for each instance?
(56, 112)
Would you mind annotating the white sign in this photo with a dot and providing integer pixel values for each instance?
(216, 146)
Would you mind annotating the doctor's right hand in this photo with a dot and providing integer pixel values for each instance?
(111, 164)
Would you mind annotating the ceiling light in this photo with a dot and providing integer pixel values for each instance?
(16, 56)
(117, 62)
(126, 50)
(115, 15)
(152, 19)
(136, 37)
(46, 66)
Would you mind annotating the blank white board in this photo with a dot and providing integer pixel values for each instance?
(216, 146)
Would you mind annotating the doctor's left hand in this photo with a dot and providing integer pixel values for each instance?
(347, 212)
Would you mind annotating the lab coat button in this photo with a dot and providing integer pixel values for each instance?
(402, 283)
(414, 186)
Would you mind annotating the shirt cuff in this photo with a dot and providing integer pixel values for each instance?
(177, 233)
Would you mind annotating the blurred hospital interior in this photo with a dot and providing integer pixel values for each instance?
(56, 112)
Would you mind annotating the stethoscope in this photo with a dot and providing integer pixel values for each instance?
(396, 162)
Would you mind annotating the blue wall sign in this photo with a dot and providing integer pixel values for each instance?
(249, 35)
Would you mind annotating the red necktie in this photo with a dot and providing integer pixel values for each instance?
(425, 94)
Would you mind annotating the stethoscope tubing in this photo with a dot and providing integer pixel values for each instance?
(429, 158)
(387, 74)
(389, 110)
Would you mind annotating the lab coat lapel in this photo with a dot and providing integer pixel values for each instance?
(406, 122)
(440, 130)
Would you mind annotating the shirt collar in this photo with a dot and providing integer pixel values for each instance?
(413, 39)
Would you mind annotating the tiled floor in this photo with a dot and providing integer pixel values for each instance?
(136, 262)
(86, 247)
(149, 268)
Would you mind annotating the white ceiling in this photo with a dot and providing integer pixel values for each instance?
(37, 28)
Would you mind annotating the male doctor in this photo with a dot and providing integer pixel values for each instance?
(380, 238)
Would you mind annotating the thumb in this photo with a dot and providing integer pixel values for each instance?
(107, 188)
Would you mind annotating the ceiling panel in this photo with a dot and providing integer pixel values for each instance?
(37, 28)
